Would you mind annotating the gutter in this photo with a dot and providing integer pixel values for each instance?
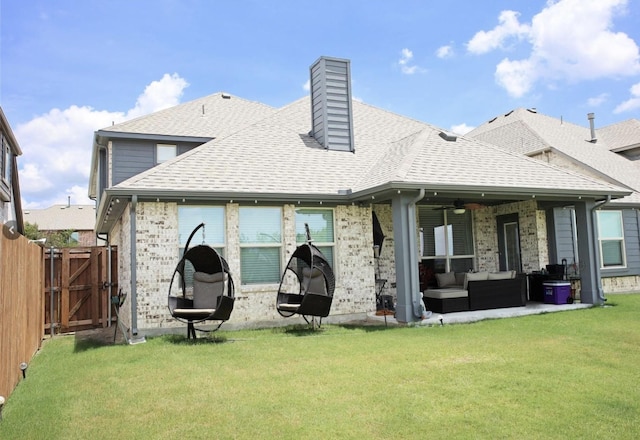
(596, 249)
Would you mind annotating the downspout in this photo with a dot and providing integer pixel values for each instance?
(416, 296)
(134, 297)
(596, 248)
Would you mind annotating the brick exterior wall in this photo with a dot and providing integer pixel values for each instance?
(621, 284)
(157, 253)
(533, 235)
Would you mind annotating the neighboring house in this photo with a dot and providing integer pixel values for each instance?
(610, 154)
(80, 219)
(10, 202)
(255, 175)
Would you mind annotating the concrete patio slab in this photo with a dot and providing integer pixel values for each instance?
(532, 308)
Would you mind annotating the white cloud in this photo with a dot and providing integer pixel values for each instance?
(57, 145)
(632, 103)
(159, 95)
(461, 129)
(571, 40)
(517, 77)
(307, 86)
(406, 57)
(598, 100)
(445, 51)
(508, 29)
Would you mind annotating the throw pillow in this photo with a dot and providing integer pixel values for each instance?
(446, 279)
(475, 276)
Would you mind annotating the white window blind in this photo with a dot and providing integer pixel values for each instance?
(260, 244)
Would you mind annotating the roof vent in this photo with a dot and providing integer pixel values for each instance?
(592, 118)
(226, 96)
(532, 110)
(331, 113)
(491, 120)
(448, 136)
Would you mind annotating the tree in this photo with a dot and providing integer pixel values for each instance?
(58, 239)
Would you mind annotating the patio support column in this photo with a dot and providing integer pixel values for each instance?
(134, 262)
(588, 253)
(409, 299)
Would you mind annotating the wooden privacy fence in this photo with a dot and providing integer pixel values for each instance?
(78, 281)
(21, 307)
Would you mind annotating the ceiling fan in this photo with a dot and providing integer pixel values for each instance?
(459, 206)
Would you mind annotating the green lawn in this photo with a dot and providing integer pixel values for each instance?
(558, 375)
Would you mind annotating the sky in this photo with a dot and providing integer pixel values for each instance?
(71, 67)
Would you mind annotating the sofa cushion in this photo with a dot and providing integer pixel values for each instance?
(445, 293)
(446, 279)
(475, 276)
(504, 275)
(460, 278)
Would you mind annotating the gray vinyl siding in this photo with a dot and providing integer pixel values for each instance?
(631, 223)
(564, 233)
(331, 112)
(562, 244)
(131, 157)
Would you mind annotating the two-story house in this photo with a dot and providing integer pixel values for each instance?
(10, 202)
(256, 174)
(611, 154)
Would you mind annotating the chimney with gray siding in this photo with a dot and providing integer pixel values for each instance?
(591, 117)
(331, 113)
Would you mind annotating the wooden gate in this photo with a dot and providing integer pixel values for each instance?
(78, 281)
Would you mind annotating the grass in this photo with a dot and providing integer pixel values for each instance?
(558, 375)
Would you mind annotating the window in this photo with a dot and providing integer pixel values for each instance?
(213, 233)
(611, 239)
(446, 240)
(164, 152)
(260, 245)
(320, 223)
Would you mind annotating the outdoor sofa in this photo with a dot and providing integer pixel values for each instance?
(459, 292)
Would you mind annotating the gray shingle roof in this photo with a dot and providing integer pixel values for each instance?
(277, 156)
(528, 132)
(62, 217)
(215, 115)
(621, 136)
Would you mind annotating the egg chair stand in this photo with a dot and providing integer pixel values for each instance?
(307, 284)
(204, 288)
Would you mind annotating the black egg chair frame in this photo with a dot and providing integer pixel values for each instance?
(311, 292)
(205, 289)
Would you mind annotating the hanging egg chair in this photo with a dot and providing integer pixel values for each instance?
(307, 284)
(201, 288)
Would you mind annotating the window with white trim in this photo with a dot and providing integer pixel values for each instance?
(320, 223)
(260, 245)
(611, 239)
(165, 152)
(213, 233)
